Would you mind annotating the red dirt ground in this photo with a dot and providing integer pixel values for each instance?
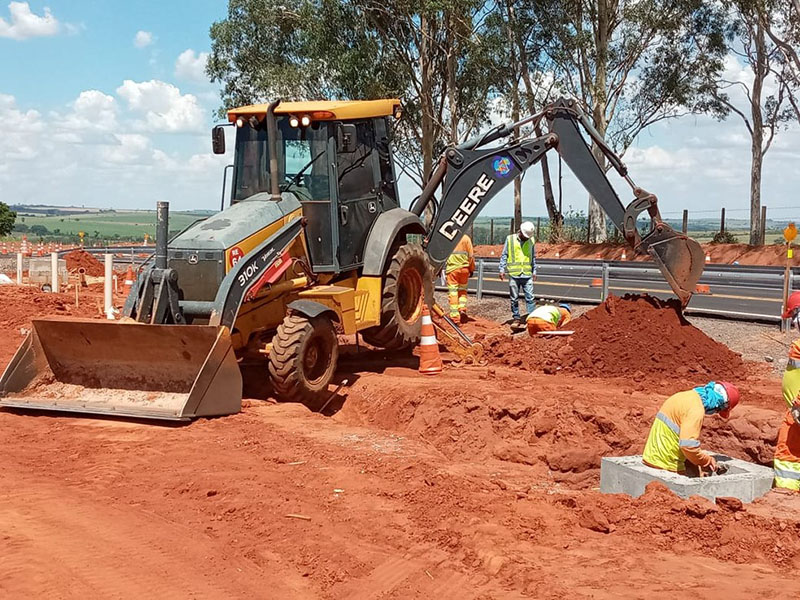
(477, 483)
(720, 253)
(81, 259)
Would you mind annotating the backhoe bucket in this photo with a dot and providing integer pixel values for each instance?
(126, 369)
(679, 257)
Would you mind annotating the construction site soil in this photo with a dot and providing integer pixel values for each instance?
(774, 255)
(80, 259)
(477, 483)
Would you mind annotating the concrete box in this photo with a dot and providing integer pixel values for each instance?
(629, 475)
(40, 270)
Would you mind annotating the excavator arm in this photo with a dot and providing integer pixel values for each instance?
(472, 174)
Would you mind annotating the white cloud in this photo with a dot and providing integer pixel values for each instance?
(191, 66)
(24, 24)
(163, 106)
(104, 150)
(143, 39)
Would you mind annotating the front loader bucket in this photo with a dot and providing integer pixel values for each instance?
(127, 369)
(679, 257)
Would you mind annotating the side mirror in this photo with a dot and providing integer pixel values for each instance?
(346, 138)
(218, 140)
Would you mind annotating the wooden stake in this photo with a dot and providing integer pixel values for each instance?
(295, 516)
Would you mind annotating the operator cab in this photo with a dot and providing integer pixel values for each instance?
(334, 157)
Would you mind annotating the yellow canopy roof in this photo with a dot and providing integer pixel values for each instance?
(337, 109)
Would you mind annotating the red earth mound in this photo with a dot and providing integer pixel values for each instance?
(81, 259)
(21, 304)
(640, 338)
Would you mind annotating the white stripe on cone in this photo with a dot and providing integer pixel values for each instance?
(428, 340)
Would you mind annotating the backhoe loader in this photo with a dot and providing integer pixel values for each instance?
(314, 244)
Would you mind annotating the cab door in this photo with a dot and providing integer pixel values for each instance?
(358, 203)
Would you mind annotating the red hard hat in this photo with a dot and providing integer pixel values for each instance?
(791, 305)
(733, 398)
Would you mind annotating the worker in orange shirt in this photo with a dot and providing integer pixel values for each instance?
(548, 317)
(787, 451)
(675, 435)
(459, 268)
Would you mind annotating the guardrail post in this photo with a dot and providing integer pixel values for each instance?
(108, 307)
(685, 227)
(604, 289)
(479, 291)
(54, 272)
(19, 268)
(491, 232)
(763, 237)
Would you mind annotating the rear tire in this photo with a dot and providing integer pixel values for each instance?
(407, 281)
(303, 357)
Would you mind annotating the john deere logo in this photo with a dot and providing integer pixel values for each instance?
(502, 165)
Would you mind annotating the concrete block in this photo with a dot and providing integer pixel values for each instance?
(629, 475)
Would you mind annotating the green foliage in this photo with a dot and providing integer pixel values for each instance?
(7, 219)
(39, 230)
(724, 237)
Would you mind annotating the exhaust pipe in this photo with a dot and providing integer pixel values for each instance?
(272, 134)
(162, 233)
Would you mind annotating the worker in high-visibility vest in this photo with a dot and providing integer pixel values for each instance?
(459, 268)
(675, 435)
(518, 261)
(548, 317)
(787, 452)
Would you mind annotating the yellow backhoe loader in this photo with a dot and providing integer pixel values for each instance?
(315, 243)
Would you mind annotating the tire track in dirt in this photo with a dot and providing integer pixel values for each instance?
(60, 545)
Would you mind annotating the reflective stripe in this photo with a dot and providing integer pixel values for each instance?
(689, 443)
(668, 422)
(453, 287)
(459, 253)
(428, 340)
(787, 474)
(794, 363)
(426, 320)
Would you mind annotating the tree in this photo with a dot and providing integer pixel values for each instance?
(7, 219)
(39, 230)
(764, 111)
(632, 63)
(425, 51)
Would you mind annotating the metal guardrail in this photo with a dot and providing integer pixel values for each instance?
(583, 273)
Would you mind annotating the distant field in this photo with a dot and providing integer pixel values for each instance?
(119, 224)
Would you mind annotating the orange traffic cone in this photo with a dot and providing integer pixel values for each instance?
(430, 362)
(708, 257)
(128, 283)
(624, 256)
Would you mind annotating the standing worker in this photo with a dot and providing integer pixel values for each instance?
(460, 267)
(518, 261)
(787, 451)
(548, 317)
(675, 435)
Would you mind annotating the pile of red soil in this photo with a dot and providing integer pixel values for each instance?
(719, 253)
(638, 337)
(81, 259)
(18, 305)
(727, 529)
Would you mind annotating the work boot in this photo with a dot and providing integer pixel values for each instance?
(463, 316)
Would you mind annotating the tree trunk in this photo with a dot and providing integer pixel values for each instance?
(426, 98)
(452, 53)
(760, 71)
(517, 180)
(597, 216)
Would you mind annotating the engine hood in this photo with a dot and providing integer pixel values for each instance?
(235, 223)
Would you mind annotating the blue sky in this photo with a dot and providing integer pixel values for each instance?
(105, 103)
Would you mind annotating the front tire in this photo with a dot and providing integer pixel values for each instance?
(303, 358)
(406, 285)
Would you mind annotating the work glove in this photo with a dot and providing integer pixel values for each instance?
(795, 410)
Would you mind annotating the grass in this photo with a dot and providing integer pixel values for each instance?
(107, 225)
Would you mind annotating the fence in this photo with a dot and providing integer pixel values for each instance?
(740, 292)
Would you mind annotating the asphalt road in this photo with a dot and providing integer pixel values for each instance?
(751, 293)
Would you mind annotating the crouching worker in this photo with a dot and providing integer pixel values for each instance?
(675, 435)
(548, 317)
(787, 451)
